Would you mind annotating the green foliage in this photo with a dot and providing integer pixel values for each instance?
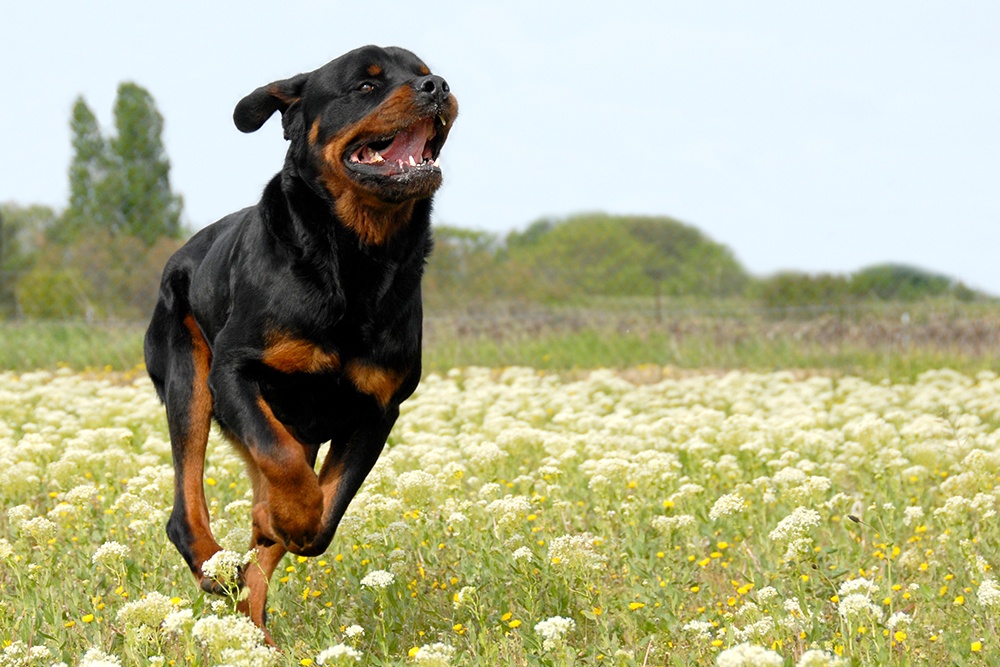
(48, 292)
(896, 282)
(462, 266)
(22, 229)
(795, 290)
(593, 255)
(89, 208)
(140, 176)
(120, 184)
(602, 255)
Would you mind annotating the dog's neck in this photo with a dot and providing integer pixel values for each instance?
(313, 222)
(373, 221)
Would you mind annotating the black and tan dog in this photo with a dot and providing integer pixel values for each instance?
(297, 321)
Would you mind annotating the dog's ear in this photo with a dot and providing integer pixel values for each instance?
(254, 109)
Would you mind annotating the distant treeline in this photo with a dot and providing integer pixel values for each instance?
(598, 255)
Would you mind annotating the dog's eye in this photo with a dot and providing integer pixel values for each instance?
(366, 87)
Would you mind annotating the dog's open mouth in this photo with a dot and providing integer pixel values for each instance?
(411, 150)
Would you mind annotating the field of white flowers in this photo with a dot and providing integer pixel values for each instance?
(522, 518)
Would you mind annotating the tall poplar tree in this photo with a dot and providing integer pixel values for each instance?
(87, 172)
(140, 177)
(120, 185)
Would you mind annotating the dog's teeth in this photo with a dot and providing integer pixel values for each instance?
(413, 163)
(444, 123)
(377, 158)
(437, 163)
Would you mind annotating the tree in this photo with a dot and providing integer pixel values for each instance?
(148, 207)
(22, 232)
(462, 267)
(602, 255)
(121, 184)
(88, 209)
(898, 282)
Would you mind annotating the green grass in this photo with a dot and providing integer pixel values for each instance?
(41, 344)
(874, 343)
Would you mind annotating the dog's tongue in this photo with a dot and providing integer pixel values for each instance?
(409, 143)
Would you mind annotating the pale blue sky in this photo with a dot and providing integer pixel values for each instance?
(822, 136)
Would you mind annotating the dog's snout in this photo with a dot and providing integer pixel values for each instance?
(433, 86)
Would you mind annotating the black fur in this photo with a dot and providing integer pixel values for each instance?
(292, 280)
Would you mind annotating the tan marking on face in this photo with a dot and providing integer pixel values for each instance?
(289, 354)
(424, 70)
(374, 70)
(314, 132)
(376, 381)
(373, 220)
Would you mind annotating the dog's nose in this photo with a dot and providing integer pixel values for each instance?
(433, 86)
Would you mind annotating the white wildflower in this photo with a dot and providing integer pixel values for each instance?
(216, 633)
(434, 655)
(149, 611)
(224, 566)
(795, 525)
(757, 630)
(523, 553)
(748, 655)
(767, 593)
(792, 606)
(489, 489)
(19, 513)
(858, 585)
(553, 631)
(989, 594)
(856, 605)
(377, 579)
(701, 629)
(40, 529)
(352, 631)
(575, 551)
(80, 495)
(509, 510)
(818, 658)
(463, 596)
(95, 657)
(241, 507)
(338, 652)
(179, 621)
(911, 514)
(898, 618)
(730, 503)
(111, 554)
(667, 524)
(415, 485)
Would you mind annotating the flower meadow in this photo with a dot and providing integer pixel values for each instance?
(528, 518)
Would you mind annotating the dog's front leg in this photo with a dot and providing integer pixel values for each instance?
(343, 472)
(288, 503)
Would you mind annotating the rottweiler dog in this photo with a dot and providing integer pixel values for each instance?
(297, 322)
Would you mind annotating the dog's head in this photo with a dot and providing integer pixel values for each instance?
(366, 128)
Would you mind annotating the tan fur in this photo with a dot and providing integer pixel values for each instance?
(204, 545)
(376, 381)
(289, 354)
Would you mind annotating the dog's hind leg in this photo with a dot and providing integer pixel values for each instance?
(189, 412)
